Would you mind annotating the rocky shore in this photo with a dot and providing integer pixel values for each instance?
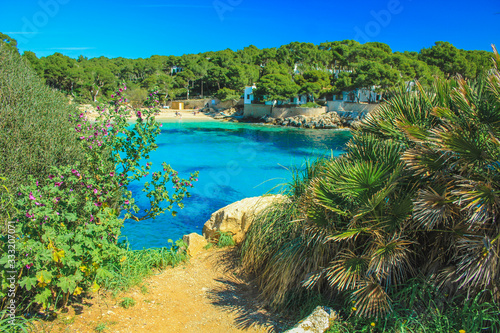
(329, 120)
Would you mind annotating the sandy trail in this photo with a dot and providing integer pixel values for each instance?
(208, 294)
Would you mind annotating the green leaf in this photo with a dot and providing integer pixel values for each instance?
(43, 297)
(28, 282)
(66, 284)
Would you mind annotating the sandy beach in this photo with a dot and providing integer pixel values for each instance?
(170, 115)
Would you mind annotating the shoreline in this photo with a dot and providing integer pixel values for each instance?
(167, 115)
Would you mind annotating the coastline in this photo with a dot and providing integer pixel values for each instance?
(168, 115)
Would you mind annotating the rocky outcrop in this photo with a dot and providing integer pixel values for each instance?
(237, 217)
(329, 120)
(195, 243)
(326, 121)
(317, 322)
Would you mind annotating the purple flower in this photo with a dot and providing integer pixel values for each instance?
(29, 266)
(57, 213)
(31, 196)
(98, 204)
(51, 176)
(91, 217)
(57, 184)
(37, 183)
(29, 215)
(127, 202)
(112, 174)
(95, 191)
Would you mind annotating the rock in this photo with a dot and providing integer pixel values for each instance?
(237, 217)
(270, 120)
(195, 243)
(317, 322)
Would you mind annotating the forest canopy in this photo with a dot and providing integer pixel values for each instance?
(316, 70)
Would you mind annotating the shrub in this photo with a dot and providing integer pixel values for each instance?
(69, 223)
(35, 132)
(310, 105)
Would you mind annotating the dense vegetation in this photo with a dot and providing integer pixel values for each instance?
(51, 142)
(316, 70)
(413, 202)
(64, 194)
(404, 225)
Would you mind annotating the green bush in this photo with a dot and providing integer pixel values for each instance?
(310, 105)
(35, 132)
(68, 224)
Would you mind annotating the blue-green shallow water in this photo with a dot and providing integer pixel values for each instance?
(235, 161)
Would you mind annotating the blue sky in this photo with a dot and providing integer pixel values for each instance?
(134, 29)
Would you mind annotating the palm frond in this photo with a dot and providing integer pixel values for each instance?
(433, 208)
(348, 271)
(390, 260)
(371, 300)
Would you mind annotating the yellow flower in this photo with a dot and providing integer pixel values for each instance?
(373, 324)
(95, 287)
(461, 331)
(123, 259)
(83, 268)
(77, 291)
(57, 255)
(353, 309)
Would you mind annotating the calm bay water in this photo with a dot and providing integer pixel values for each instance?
(235, 161)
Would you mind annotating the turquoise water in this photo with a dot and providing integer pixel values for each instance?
(235, 161)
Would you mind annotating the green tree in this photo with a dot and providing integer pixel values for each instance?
(35, 63)
(449, 60)
(313, 83)
(276, 87)
(226, 94)
(9, 42)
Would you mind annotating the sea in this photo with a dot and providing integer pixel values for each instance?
(234, 161)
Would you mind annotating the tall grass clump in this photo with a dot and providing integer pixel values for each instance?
(136, 265)
(416, 195)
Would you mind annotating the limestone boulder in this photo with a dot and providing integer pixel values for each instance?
(195, 243)
(317, 322)
(237, 217)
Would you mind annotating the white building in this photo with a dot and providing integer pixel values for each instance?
(248, 94)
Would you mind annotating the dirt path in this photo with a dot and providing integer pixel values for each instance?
(208, 294)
